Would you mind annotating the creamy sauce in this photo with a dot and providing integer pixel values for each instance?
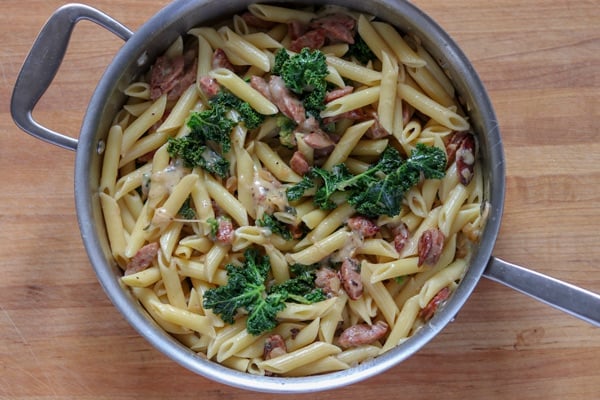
(268, 194)
(161, 185)
(354, 242)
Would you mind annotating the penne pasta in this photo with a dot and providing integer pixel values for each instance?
(245, 50)
(403, 52)
(347, 142)
(244, 91)
(354, 71)
(137, 128)
(375, 42)
(386, 105)
(431, 108)
(299, 358)
(351, 102)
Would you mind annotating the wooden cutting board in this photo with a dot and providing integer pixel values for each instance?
(61, 338)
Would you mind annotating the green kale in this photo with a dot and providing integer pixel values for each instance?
(296, 191)
(246, 291)
(304, 74)
(286, 131)
(277, 227)
(301, 288)
(336, 180)
(195, 153)
(212, 125)
(430, 160)
(214, 226)
(380, 189)
(186, 211)
(251, 118)
(330, 182)
(281, 58)
(213, 223)
(360, 50)
(210, 134)
(384, 196)
(209, 129)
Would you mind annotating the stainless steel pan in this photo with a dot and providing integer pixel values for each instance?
(136, 55)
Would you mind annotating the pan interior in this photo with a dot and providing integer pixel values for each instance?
(136, 56)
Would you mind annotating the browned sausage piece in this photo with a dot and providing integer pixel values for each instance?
(220, 60)
(314, 40)
(225, 231)
(285, 101)
(299, 164)
(337, 93)
(429, 310)
(165, 74)
(400, 233)
(328, 280)
(350, 277)
(363, 225)
(274, 347)
(256, 22)
(465, 159)
(209, 86)
(337, 28)
(142, 259)
(360, 334)
(431, 244)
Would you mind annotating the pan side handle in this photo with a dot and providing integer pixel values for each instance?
(571, 299)
(42, 64)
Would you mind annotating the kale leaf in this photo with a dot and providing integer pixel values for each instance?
(360, 50)
(210, 133)
(246, 291)
(194, 152)
(214, 227)
(277, 227)
(212, 125)
(384, 196)
(296, 191)
(336, 180)
(187, 211)
(251, 118)
(380, 189)
(304, 74)
(301, 288)
(286, 126)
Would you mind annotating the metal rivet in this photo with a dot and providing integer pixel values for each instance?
(143, 59)
(101, 147)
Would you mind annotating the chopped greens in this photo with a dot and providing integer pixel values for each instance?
(304, 74)
(210, 134)
(277, 227)
(187, 211)
(380, 189)
(214, 227)
(251, 118)
(286, 131)
(360, 50)
(247, 291)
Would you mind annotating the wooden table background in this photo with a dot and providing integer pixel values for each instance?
(61, 338)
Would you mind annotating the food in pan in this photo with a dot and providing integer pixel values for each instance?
(293, 191)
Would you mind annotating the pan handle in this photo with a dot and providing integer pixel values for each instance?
(571, 299)
(42, 64)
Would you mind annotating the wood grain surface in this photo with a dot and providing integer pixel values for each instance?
(60, 338)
